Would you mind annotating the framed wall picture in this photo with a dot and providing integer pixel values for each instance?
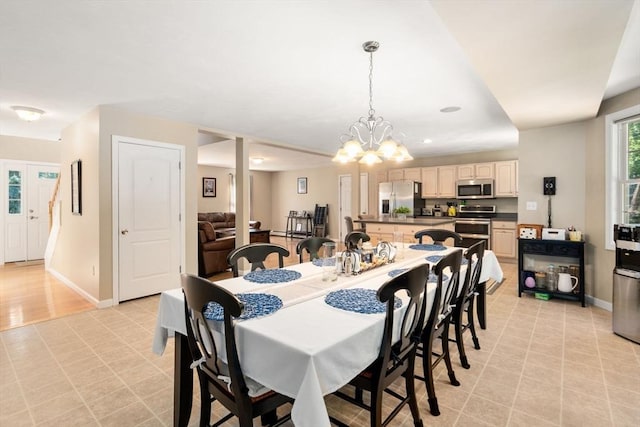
(76, 187)
(302, 185)
(208, 187)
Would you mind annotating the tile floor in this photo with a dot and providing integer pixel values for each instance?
(542, 363)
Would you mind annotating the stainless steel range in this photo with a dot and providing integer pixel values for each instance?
(474, 224)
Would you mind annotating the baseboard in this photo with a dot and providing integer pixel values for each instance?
(68, 283)
(605, 305)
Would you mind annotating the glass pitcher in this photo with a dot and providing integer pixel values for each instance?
(329, 265)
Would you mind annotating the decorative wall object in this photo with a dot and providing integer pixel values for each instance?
(208, 187)
(76, 187)
(302, 185)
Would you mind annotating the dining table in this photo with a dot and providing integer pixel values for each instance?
(321, 335)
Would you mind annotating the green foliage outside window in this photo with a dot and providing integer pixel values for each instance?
(632, 181)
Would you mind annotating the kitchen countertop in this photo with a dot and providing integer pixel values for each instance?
(423, 220)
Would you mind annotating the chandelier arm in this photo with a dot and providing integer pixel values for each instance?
(355, 132)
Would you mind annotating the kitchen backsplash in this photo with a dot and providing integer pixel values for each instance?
(503, 205)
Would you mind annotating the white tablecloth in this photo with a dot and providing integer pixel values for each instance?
(307, 349)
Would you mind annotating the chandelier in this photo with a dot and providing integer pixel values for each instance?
(370, 139)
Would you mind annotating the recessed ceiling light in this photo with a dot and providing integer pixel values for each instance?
(450, 109)
(427, 141)
(257, 160)
(27, 113)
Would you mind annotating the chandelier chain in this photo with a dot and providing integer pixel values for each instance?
(372, 112)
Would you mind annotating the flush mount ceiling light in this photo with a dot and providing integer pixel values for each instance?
(370, 139)
(451, 109)
(27, 113)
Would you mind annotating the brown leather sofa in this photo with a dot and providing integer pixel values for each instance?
(216, 239)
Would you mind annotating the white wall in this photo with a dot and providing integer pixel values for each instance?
(29, 149)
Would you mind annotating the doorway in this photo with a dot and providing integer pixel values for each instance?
(27, 190)
(344, 203)
(148, 185)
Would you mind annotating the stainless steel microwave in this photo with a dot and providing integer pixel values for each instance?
(475, 189)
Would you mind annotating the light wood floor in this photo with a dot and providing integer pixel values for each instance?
(28, 294)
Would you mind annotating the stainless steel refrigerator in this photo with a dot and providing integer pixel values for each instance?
(395, 194)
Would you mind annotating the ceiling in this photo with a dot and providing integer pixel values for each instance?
(293, 73)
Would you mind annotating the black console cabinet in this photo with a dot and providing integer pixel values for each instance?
(539, 252)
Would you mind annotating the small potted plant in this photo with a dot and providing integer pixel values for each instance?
(401, 212)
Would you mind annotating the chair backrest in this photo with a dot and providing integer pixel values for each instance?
(446, 293)
(311, 245)
(439, 235)
(414, 282)
(351, 239)
(473, 255)
(198, 292)
(349, 221)
(256, 253)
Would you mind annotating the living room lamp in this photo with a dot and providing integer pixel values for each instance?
(370, 138)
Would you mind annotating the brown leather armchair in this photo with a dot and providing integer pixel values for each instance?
(212, 251)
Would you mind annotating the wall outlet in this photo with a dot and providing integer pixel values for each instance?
(532, 206)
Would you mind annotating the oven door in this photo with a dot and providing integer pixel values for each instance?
(474, 230)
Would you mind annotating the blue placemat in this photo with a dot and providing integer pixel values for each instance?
(358, 300)
(423, 247)
(320, 262)
(397, 271)
(436, 258)
(434, 279)
(255, 305)
(276, 275)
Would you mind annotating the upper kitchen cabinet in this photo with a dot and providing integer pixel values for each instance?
(476, 171)
(382, 176)
(408, 174)
(506, 179)
(438, 182)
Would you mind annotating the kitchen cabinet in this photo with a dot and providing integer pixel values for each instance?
(535, 256)
(439, 182)
(476, 171)
(506, 180)
(409, 174)
(382, 176)
(379, 232)
(503, 238)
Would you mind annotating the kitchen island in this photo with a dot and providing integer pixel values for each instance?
(383, 228)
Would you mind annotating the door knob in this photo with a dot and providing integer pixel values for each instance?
(33, 217)
(125, 231)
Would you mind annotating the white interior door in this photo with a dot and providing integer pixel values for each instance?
(344, 201)
(149, 251)
(29, 188)
(41, 183)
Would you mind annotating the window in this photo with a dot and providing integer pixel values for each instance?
(622, 170)
(15, 192)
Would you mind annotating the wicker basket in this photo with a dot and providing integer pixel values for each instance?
(526, 231)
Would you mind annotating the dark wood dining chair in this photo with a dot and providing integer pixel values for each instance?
(349, 222)
(437, 325)
(466, 299)
(221, 381)
(394, 360)
(256, 254)
(311, 245)
(439, 235)
(352, 239)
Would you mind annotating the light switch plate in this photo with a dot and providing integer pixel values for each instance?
(532, 206)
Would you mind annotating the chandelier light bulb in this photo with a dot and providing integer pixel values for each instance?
(388, 148)
(370, 158)
(342, 157)
(353, 148)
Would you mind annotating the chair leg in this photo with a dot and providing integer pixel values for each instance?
(459, 330)
(447, 356)
(269, 418)
(472, 326)
(376, 407)
(411, 393)
(205, 404)
(427, 368)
